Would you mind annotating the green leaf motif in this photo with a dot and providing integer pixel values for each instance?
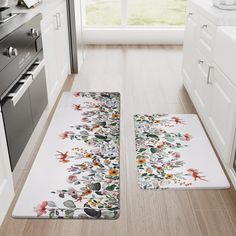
(69, 213)
(142, 150)
(111, 187)
(152, 136)
(170, 139)
(69, 204)
(52, 204)
(96, 186)
(153, 150)
(103, 123)
(51, 214)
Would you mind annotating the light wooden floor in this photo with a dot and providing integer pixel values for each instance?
(149, 79)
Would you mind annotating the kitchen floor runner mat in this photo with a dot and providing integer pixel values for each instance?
(76, 171)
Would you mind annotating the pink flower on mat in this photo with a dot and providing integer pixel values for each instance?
(77, 94)
(187, 137)
(41, 209)
(176, 155)
(177, 120)
(65, 135)
(77, 107)
(71, 179)
(85, 119)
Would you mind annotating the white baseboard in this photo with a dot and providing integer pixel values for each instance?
(164, 36)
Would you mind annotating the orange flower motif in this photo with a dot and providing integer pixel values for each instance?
(96, 163)
(77, 94)
(115, 116)
(88, 155)
(80, 198)
(87, 191)
(107, 161)
(177, 120)
(141, 161)
(149, 170)
(63, 157)
(113, 172)
(169, 176)
(77, 107)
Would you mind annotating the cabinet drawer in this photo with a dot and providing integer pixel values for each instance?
(207, 29)
(207, 33)
(192, 12)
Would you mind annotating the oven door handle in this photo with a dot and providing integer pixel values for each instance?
(15, 97)
(36, 71)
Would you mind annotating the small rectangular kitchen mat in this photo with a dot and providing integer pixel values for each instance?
(174, 152)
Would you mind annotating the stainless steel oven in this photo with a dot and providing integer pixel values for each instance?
(23, 97)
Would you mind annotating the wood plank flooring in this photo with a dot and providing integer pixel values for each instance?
(149, 80)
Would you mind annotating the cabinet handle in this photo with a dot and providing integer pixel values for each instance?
(209, 75)
(204, 26)
(190, 14)
(59, 19)
(24, 83)
(39, 66)
(200, 61)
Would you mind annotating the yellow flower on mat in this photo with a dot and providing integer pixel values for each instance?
(88, 155)
(141, 161)
(115, 115)
(169, 176)
(113, 172)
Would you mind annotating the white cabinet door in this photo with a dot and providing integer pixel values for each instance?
(62, 38)
(201, 89)
(56, 50)
(6, 183)
(222, 113)
(189, 55)
(49, 26)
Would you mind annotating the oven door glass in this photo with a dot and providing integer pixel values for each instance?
(18, 119)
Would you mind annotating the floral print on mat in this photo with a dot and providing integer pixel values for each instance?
(93, 170)
(159, 159)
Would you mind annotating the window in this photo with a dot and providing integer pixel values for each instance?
(125, 13)
(103, 12)
(156, 12)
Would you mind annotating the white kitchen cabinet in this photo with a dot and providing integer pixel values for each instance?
(209, 74)
(222, 113)
(6, 182)
(56, 50)
(190, 37)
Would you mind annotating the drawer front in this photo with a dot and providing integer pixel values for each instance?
(207, 32)
(207, 29)
(192, 12)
